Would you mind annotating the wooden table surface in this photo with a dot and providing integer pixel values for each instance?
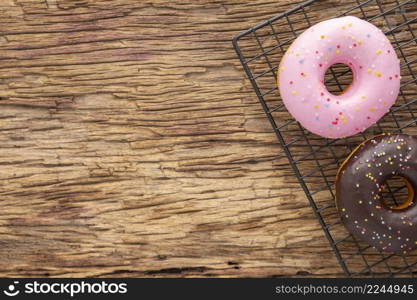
(131, 144)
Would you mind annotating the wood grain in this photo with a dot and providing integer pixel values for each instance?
(131, 144)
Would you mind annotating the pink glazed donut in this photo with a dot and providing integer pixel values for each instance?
(376, 77)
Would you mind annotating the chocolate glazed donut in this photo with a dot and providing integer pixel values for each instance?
(359, 185)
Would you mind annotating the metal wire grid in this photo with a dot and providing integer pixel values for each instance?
(315, 160)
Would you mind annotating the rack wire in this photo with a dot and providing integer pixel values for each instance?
(315, 160)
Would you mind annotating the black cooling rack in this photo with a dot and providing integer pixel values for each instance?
(315, 160)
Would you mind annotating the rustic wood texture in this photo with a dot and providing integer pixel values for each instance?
(131, 144)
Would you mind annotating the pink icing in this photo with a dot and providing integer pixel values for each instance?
(376, 77)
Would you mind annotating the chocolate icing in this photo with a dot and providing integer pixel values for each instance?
(359, 185)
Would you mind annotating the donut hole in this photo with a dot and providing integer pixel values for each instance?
(338, 78)
(397, 193)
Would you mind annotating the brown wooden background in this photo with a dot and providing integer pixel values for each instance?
(131, 144)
